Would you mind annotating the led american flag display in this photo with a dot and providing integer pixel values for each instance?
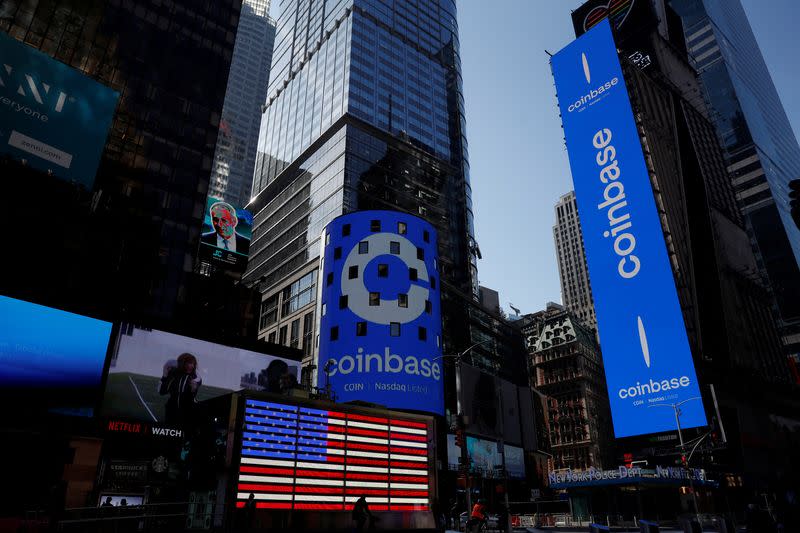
(296, 457)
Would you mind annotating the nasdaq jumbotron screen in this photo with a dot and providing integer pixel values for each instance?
(380, 313)
(300, 458)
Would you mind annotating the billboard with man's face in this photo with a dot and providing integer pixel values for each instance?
(226, 235)
(159, 377)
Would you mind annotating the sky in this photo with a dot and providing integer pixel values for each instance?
(518, 160)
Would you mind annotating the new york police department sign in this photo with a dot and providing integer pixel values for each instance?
(51, 115)
(645, 348)
(380, 319)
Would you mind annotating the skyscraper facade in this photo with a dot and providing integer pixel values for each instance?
(761, 152)
(235, 154)
(364, 111)
(576, 292)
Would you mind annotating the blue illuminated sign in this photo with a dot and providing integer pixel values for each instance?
(46, 348)
(645, 348)
(52, 115)
(380, 319)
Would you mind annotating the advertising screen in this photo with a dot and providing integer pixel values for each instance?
(484, 456)
(43, 103)
(380, 319)
(51, 356)
(296, 457)
(646, 351)
(515, 461)
(226, 235)
(158, 376)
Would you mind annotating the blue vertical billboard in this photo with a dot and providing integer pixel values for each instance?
(380, 324)
(646, 353)
(52, 115)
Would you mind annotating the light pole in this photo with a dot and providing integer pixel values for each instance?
(676, 409)
(459, 415)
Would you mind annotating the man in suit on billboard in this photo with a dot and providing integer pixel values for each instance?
(224, 236)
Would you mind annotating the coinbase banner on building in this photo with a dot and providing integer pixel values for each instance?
(645, 348)
(51, 115)
(380, 318)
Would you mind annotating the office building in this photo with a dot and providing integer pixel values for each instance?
(235, 155)
(576, 292)
(760, 148)
(364, 111)
(726, 307)
(566, 367)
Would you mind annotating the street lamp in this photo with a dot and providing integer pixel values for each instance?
(459, 413)
(676, 409)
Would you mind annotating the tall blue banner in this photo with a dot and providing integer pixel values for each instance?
(380, 317)
(51, 115)
(648, 362)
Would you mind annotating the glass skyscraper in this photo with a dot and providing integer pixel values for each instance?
(235, 155)
(364, 111)
(760, 147)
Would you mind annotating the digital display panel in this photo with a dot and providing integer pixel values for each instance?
(296, 457)
(380, 317)
(49, 355)
(43, 103)
(158, 376)
(646, 351)
(227, 231)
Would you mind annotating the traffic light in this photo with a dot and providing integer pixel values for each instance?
(794, 201)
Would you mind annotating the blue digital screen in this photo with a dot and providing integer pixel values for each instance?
(646, 352)
(46, 348)
(52, 115)
(380, 318)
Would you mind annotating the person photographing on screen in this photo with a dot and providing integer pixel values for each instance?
(181, 382)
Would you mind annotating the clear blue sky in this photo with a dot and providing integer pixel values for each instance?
(518, 162)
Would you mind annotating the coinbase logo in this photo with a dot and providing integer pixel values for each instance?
(385, 311)
(380, 313)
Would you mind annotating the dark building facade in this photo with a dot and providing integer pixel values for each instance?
(727, 308)
(126, 247)
(760, 149)
(364, 111)
(566, 366)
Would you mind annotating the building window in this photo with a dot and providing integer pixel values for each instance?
(420, 254)
(402, 300)
(394, 247)
(343, 301)
(422, 333)
(301, 293)
(294, 340)
(337, 252)
(402, 229)
(352, 272)
(412, 274)
(345, 230)
(335, 333)
(426, 236)
(308, 333)
(375, 225)
(383, 270)
(269, 311)
(361, 329)
(363, 247)
(374, 298)
(271, 337)
(282, 336)
(394, 329)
